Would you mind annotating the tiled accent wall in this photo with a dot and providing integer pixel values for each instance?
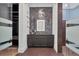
(34, 17)
(71, 13)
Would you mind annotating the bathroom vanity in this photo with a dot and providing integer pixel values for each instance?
(40, 40)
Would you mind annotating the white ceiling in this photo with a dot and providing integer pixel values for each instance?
(70, 5)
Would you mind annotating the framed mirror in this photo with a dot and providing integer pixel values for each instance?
(40, 25)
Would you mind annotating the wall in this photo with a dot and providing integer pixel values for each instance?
(69, 14)
(66, 14)
(72, 17)
(55, 26)
(24, 23)
(23, 27)
(5, 29)
(4, 11)
(34, 18)
(5, 33)
(72, 32)
(49, 6)
(40, 4)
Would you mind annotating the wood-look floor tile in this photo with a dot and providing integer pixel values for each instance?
(11, 51)
(40, 52)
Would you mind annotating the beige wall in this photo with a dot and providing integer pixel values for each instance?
(55, 26)
(23, 27)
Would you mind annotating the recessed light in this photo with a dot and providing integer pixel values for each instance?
(65, 5)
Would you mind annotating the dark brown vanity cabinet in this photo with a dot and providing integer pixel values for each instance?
(40, 40)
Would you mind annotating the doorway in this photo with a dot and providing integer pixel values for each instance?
(15, 19)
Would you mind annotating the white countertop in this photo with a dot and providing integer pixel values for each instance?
(73, 47)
